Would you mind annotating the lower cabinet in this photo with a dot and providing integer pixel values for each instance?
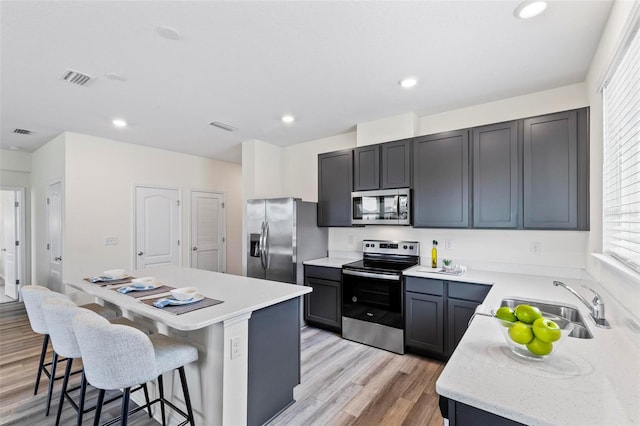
(323, 306)
(460, 414)
(437, 313)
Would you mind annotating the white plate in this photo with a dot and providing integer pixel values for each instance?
(143, 281)
(176, 302)
(136, 288)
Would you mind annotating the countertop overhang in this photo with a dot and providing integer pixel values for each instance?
(240, 295)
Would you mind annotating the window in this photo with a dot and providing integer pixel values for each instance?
(621, 165)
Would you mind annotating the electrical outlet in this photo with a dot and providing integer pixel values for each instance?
(235, 347)
(448, 244)
(535, 248)
(110, 241)
(350, 240)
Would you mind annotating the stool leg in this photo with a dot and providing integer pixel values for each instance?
(124, 415)
(161, 389)
(51, 381)
(63, 391)
(43, 353)
(96, 419)
(185, 390)
(146, 398)
(83, 392)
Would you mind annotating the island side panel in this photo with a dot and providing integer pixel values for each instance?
(274, 360)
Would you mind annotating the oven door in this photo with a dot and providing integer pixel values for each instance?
(372, 297)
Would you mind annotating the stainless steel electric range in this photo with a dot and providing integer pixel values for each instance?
(372, 302)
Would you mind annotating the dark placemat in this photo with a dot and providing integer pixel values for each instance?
(143, 293)
(183, 309)
(124, 280)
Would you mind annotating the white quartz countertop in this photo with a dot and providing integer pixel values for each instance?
(240, 295)
(587, 382)
(329, 262)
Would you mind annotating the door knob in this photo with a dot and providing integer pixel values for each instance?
(195, 249)
(58, 258)
(140, 253)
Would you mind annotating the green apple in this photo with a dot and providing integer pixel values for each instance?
(520, 333)
(505, 313)
(538, 347)
(546, 330)
(527, 314)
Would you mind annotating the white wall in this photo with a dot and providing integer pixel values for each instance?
(624, 287)
(15, 171)
(99, 186)
(47, 165)
(387, 129)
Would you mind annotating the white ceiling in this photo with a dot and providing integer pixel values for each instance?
(331, 64)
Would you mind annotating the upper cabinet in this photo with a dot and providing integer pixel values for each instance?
(555, 171)
(382, 166)
(366, 168)
(396, 164)
(441, 180)
(335, 172)
(496, 176)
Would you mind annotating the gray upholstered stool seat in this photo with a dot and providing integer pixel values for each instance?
(33, 295)
(119, 357)
(58, 312)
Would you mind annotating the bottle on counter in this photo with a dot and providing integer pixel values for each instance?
(434, 254)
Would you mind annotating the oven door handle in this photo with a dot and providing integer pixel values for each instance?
(377, 276)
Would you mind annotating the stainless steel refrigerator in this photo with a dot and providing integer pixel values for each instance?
(283, 233)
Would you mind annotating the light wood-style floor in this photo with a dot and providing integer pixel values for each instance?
(343, 383)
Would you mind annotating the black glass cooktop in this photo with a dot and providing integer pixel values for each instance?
(378, 265)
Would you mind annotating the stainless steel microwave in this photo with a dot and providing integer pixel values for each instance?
(384, 207)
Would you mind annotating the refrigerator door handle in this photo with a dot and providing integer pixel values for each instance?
(262, 243)
(266, 245)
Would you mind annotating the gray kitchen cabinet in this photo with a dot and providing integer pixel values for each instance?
(441, 180)
(396, 164)
(460, 414)
(437, 313)
(424, 316)
(335, 174)
(366, 168)
(555, 171)
(323, 306)
(496, 176)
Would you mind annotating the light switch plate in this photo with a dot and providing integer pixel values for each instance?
(110, 241)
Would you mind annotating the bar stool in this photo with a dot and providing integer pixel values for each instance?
(33, 295)
(58, 313)
(118, 357)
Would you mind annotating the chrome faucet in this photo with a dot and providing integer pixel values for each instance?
(596, 306)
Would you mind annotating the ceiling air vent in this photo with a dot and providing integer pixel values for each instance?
(223, 126)
(22, 131)
(75, 77)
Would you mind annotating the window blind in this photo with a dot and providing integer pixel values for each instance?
(621, 165)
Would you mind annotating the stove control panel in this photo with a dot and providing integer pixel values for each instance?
(407, 248)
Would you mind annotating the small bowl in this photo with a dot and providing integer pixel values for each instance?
(114, 273)
(184, 293)
(143, 281)
(521, 350)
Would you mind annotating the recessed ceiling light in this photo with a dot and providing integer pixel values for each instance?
(15, 148)
(288, 119)
(169, 33)
(529, 9)
(119, 123)
(408, 83)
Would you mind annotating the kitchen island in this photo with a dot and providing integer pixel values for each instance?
(244, 384)
(588, 382)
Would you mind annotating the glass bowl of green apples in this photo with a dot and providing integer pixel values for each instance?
(530, 333)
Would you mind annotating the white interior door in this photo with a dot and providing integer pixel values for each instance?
(157, 227)
(207, 231)
(55, 235)
(10, 237)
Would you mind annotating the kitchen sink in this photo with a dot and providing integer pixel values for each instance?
(551, 310)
